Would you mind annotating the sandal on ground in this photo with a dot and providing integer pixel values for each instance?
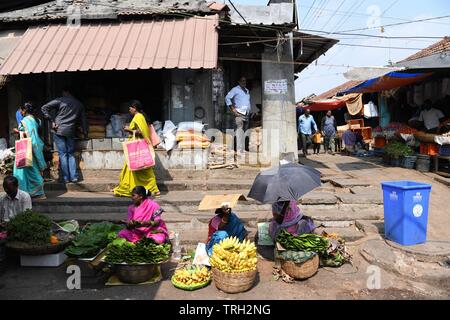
(157, 194)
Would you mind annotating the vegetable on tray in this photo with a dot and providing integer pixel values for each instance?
(303, 242)
(30, 227)
(145, 251)
(93, 238)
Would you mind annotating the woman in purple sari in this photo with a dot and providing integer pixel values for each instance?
(287, 216)
(144, 219)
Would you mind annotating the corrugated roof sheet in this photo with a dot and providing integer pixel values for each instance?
(182, 43)
(436, 48)
(105, 9)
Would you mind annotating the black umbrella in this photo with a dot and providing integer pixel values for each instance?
(286, 182)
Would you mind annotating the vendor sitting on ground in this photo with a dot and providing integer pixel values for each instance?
(225, 224)
(14, 201)
(287, 216)
(144, 219)
(349, 139)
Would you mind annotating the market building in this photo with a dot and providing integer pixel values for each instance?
(179, 60)
(399, 93)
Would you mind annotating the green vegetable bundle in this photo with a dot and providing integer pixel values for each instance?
(397, 149)
(93, 238)
(143, 251)
(303, 242)
(30, 227)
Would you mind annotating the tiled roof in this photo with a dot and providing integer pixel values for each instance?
(436, 48)
(104, 9)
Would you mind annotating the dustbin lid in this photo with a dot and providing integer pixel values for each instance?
(406, 185)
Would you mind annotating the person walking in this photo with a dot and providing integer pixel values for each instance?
(66, 113)
(146, 177)
(329, 129)
(30, 178)
(305, 124)
(238, 100)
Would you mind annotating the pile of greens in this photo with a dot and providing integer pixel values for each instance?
(303, 242)
(30, 227)
(143, 251)
(397, 149)
(93, 238)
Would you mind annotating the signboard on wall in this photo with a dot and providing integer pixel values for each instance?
(276, 86)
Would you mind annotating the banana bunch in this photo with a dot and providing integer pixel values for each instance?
(191, 276)
(231, 255)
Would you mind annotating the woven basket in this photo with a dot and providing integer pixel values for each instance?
(34, 250)
(234, 282)
(302, 270)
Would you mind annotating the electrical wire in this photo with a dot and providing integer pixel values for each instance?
(309, 10)
(328, 21)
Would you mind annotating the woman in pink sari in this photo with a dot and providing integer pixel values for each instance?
(287, 216)
(144, 219)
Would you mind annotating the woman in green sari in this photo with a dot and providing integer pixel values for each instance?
(30, 178)
(145, 178)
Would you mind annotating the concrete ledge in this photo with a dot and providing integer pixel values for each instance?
(349, 183)
(378, 252)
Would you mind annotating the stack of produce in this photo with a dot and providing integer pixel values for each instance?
(304, 242)
(233, 256)
(97, 126)
(145, 251)
(397, 149)
(336, 254)
(92, 239)
(191, 139)
(191, 278)
(30, 228)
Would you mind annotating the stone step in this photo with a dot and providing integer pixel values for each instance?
(106, 185)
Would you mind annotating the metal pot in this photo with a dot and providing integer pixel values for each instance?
(135, 273)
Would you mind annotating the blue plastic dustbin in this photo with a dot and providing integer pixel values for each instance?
(406, 211)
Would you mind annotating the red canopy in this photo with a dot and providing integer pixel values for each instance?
(325, 105)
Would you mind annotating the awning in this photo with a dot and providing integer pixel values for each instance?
(389, 81)
(190, 43)
(352, 101)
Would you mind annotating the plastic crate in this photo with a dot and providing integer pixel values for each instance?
(431, 149)
(406, 211)
(444, 150)
(379, 142)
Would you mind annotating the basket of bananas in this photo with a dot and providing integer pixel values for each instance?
(234, 265)
(191, 278)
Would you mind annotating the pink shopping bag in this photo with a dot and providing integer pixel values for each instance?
(24, 153)
(138, 154)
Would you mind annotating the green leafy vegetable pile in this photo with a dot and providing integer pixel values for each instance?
(93, 238)
(398, 149)
(303, 242)
(30, 227)
(143, 251)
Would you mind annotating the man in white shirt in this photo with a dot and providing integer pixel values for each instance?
(431, 117)
(238, 100)
(15, 201)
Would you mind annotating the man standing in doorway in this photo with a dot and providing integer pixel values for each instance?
(238, 100)
(431, 117)
(329, 129)
(66, 113)
(305, 124)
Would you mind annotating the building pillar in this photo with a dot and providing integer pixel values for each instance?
(278, 105)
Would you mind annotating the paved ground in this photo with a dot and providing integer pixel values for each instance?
(421, 273)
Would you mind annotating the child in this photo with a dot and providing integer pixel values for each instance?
(317, 140)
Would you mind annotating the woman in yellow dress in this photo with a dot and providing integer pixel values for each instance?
(145, 178)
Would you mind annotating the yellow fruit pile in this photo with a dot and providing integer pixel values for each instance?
(192, 275)
(230, 255)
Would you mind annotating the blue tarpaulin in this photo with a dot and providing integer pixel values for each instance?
(389, 81)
